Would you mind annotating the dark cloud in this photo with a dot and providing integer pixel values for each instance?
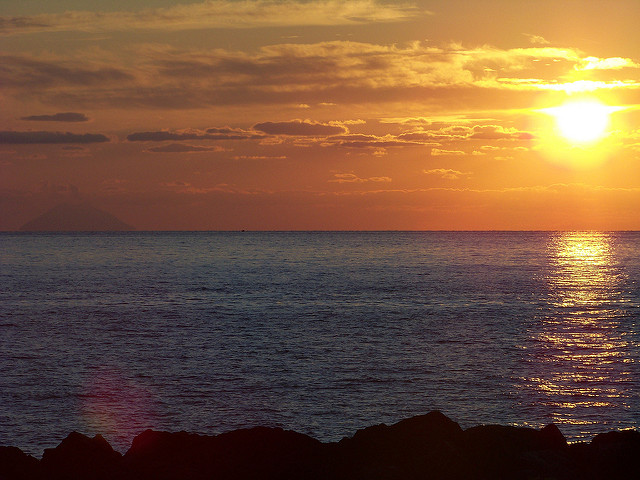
(300, 128)
(225, 133)
(214, 14)
(11, 137)
(11, 24)
(181, 148)
(58, 117)
(26, 72)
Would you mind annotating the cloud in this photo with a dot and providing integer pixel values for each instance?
(447, 173)
(439, 152)
(25, 72)
(216, 14)
(463, 132)
(11, 137)
(74, 148)
(428, 137)
(225, 133)
(260, 157)
(75, 151)
(352, 178)
(307, 133)
(497, 132)
(183, 148)
(612, 63)
(536, 39)
(360, 140)
(176, 184)
(58, 117)
(300, 128)
(323, 73)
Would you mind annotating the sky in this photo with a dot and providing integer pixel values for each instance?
(323, 115)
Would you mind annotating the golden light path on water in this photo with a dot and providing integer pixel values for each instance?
(581, 364)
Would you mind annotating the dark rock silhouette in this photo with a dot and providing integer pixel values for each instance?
(497, 451)
(616, 453)
(258, 452)
(424, 447)
(75, 217)
(81, 457)
(15, 464)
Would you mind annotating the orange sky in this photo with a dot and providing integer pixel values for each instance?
(322, 115)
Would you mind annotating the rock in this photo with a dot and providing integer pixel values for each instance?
(427, 446)
(552, 437)
(419, 447)
(259, 452)
(17, 465)
(497, 451)
(616, 454)
(81, 457)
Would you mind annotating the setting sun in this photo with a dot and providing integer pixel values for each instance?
(582, 121)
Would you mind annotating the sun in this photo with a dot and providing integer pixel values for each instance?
(580, 133)
(581, 121)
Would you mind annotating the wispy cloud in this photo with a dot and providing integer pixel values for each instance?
(536, 39)
(497, 132)
(300, 128)
(447, 173)
(225, 133)
(360, 140)
(260, 157)
(183, 148)
(11, 137)
(464, 132)
(26, 72)
(58, 117)
(440, 152)
(217, 14)
(353, 178)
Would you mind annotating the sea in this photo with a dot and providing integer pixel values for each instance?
(323, 333)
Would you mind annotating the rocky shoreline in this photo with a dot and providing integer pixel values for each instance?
(429, 446)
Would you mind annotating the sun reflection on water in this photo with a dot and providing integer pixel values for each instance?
(580, 372)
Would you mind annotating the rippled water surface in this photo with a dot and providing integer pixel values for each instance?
(323, 333)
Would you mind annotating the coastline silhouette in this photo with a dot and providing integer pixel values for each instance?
(425, 446)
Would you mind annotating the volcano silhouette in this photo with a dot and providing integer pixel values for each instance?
(75, 217)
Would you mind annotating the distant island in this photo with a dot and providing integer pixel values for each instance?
(75, 217)
(430, 446)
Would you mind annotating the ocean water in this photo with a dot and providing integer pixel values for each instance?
(323, 333)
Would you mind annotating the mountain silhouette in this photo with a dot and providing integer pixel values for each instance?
(75, 217)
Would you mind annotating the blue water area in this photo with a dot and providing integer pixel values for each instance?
(320, 332)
